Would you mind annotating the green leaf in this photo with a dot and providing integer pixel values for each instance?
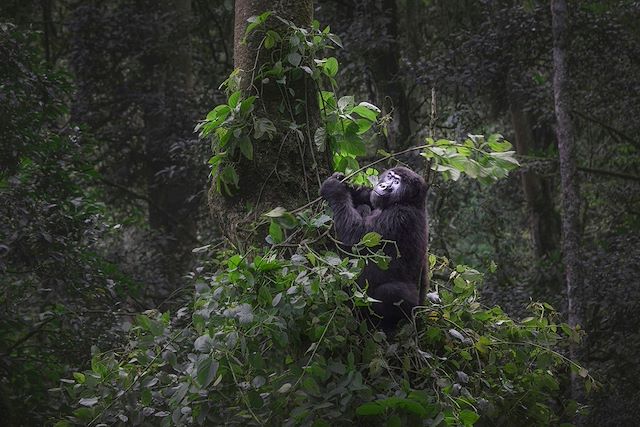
(218, 115)
(468, 417)
(334, 38)
(351, 144)
(366, 112)
(255, 22)
(79, 377)
(346, 102)
(276, 212)
(234, 99)
(85, 414)
(371, 239)
(275, 232)
(207, 369)
(294, 58)
(505, 159)
(255, 400)
(331, 67)
(247, 105)
(370, 408)
(263, 126)
(246, 147)
(498, 143)
(326, 99)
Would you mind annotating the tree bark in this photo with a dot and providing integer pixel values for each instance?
(567, 152)
(286, 170)
(544, 222)
(385, 66)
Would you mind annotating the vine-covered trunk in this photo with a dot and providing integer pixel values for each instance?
(286, 169)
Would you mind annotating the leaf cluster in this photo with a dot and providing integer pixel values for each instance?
(293, 54)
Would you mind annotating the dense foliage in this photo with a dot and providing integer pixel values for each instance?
(101, 202)
(52, 280)
(271, 338)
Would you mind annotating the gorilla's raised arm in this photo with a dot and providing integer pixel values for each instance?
(348, 221)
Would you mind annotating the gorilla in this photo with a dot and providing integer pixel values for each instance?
(396, 209)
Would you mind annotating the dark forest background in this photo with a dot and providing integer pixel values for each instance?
(105, 210)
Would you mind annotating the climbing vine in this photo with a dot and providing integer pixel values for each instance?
(295, 53)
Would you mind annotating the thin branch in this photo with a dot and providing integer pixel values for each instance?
(607, 127)
(610, 173)
(35, 330)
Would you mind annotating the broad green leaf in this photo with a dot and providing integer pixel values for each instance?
(345, 103)
(207, 369)
(247, 105)
(331, 67)
(294, 58)
(276, 212)
(468, 417)
(371, 239)
(255, 22)
(234, 99)
(255, 400)
(79, 377)
(370, 408)
(275, 232)
(498, 143)
(365, 112)
(246, 147)
(334, 38)
(262, 126)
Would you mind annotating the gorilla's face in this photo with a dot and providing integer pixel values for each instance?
(398, 185)
(388, 190)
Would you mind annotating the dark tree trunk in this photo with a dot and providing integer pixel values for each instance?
(286, 170)
(567, 151)
(385, 66)
(168, 122)
(544, 222)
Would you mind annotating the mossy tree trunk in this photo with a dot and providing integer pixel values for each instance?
(287, 169)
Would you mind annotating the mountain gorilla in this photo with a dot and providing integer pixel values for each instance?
(396, 209)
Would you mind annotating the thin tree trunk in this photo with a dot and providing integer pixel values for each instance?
(385, 66)
(568, 169)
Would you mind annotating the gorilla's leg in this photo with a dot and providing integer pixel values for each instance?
(397, 301)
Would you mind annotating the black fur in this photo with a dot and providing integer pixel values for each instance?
(399, 216)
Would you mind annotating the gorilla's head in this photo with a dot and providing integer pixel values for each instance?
(399, 186)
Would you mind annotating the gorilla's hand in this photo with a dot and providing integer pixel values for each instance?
(332, 187)
(360, 195)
